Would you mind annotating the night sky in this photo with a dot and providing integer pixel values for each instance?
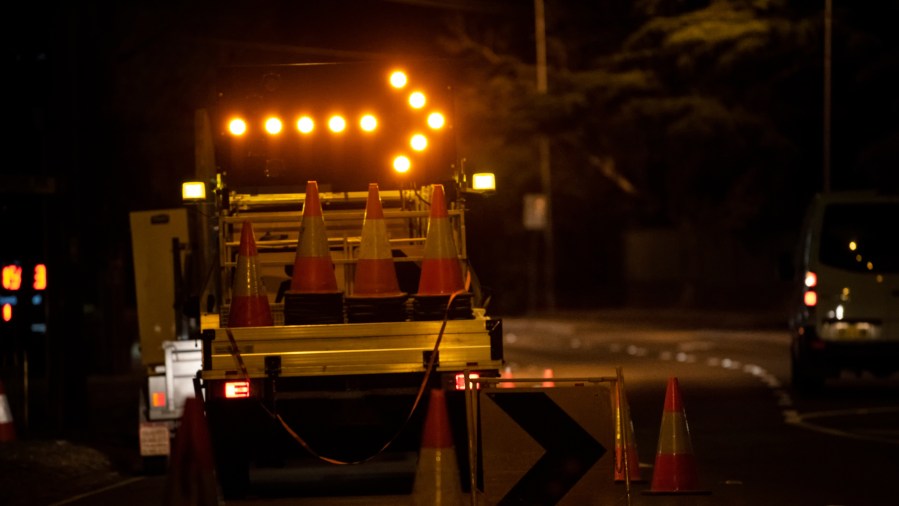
(103, 95)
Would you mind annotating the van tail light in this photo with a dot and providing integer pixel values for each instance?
(811, 279)
(237, 389)
(810, 298)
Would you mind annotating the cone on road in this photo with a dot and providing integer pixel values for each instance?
(376, 290)
(548, 376)
(625, 440)
(313, 297)
(313, 269)
(249, 301)
(437, 479)
(675, 466)
(7, 427)
(507, 374)
(441, 271)
(191, 476)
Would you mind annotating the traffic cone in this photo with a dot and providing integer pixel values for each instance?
(375, 272)
(548, 375)
(441, 273)
(507, 374)
(7, 427)
(313, 297)
(249, 301)
(441, 282)
(675, 465)
(437, 481)
(191, 476)
(313, 269)
(376, 290)
(624, 439)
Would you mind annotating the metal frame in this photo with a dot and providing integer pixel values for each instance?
(472, 411)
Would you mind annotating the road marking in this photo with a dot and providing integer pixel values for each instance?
(784, 400)
(801, 420)
(98, 491)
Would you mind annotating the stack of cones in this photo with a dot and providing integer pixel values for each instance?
(441, 271)
(313, 296)
(249, 301)
(7, 427)
(437, 479)
(627, 460)
(191, 477)
(675, 466)
(376, 293)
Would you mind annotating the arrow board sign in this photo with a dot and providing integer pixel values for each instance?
(548, 446)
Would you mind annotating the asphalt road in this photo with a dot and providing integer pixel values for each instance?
(755, 440)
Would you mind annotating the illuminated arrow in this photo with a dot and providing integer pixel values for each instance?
(570, 450)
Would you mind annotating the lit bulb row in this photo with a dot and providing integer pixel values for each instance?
(336, 124)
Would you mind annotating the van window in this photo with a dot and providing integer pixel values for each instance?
(861, 237)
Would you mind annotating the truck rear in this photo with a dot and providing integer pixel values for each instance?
(340, 376)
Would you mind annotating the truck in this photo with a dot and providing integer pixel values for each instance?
(339, 379)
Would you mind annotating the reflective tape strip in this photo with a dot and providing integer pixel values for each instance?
(674, 435)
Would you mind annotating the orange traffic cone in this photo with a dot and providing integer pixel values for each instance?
(313, 269)
(249, 301)
(675, 466)
(7, 427)
(375, 271)
(313, 297)
(507, 374)
(437, 479)
(376, 294)
(548, 375)
(441, 273)
(624, 439)
(191, 475)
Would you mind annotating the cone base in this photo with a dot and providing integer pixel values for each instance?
(675, 474)
(377, 309)
(434, 307)
(313, 308)
(250, 311)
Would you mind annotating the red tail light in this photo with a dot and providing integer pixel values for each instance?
(158, 399)
(811, 279)
(237, 389)
(810, 298)
(460, 380)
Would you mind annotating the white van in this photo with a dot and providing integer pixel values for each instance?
(846, 312)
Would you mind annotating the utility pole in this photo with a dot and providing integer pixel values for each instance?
(828, 48)
(544, 160)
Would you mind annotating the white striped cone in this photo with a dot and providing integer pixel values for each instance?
(375, 271)
(313, 269)
(249, 300)
(7, 427)
(441, 272)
